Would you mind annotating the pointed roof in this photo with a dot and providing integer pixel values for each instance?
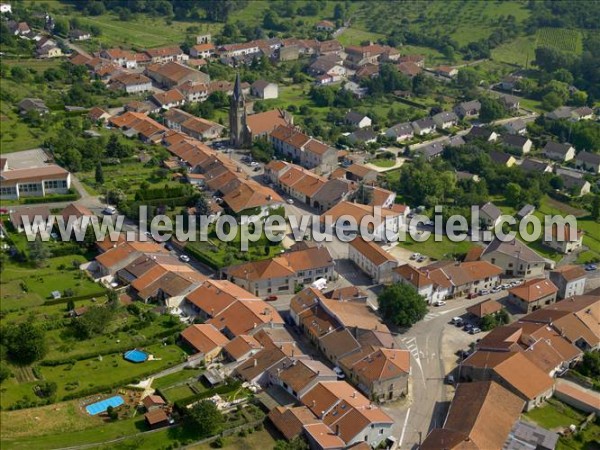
(238, 95)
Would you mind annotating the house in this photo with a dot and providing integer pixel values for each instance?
(430, 151)
(49, 51)
(34, 182)
(357, 119)
(582, 113)
(290, 421)
(97, 114)
(152, 402)
(485, 308)
(577, 396)
(303, 149)
(468, 110)
(334, 192)
(382, 374)
(482, 133)
(242, 347)
(5, 8)
(163, 55)
(205, 339)
(588, 161)
(513, 371)
(372, 259)
(576, 186)
(564, 239)
(123, 58)
(31, 214)
(534, 165)
(132, 83)
(168, 99)
(419, 60)
(387, 230)
(489, 214)
(481, 416)
(357, 172)
(517, 126)
(517, 143)
(358, 56)
(533, 294)
(502, 158)
(525, 211)
(33, 104)
(400, 132)
(445, 120)
(202, 50)
(246, 317)
(325, 25)
(515, 258)
(409, 69)
(157, 419)
(80, 35)
(559, 152)
(424, 126)
(527, 435)
(19, 28)
(510, 102)
(201, 129)
(264, 89)
(569, 279)
(281, 275)
(363, 136)
(446, 71)
(262, 124)
(172, 74)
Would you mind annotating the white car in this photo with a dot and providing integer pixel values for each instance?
(290, 201)
(339, 372)
(484, 292)
(439, 303)
(109, 211)
(184, 258)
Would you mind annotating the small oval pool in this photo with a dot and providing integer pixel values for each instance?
(136, 356)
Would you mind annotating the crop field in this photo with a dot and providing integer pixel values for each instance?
(560, 39)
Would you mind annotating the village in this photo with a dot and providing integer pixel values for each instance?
(384, 343)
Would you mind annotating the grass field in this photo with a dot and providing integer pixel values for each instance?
(41, 282)
(520, 51)
(561, 39)
(437, 250)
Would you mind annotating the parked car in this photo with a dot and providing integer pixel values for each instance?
(591, 267)
(415, 256)
(458, 321)
(450, 379)
(271, 298)
(339, 372)
(484, 292)
(109, 211)
(184, 258)
(439, 303)
(468, 327)
(290, 201)
(421, 258)
(472, 295)
(474, 330)
(496, 289)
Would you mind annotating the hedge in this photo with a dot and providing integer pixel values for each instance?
(225, 389)
(51, 199)
(120, 349)
(202, 257)
(58, 301)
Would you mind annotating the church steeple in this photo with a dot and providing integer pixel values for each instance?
(238, 129)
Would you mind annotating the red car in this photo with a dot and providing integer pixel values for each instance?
(472, 295)
(271, 298)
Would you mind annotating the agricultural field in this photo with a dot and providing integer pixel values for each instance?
(520, 51)
(560, 39)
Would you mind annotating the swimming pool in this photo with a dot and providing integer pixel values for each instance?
(101, 406)
(136, 356)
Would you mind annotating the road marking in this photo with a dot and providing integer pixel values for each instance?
(404, 428)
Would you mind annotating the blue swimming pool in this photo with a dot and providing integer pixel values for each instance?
(102, 406)
(136, 356)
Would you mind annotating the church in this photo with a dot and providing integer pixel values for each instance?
(238, 126)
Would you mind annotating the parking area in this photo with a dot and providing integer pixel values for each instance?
(27, 159)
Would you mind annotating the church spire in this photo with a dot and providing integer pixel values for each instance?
(237, 89)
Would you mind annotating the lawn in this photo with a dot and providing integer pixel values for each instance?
(383, 162)
(109, 370)
(437, 250)
(520, 51)
(177, 377)
(24, 286)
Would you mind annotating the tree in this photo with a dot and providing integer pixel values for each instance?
(551, 101)
(70, 305)
(4, 371)
(596, 207)
(467, 78)
(113, 300)
(590, 365)
(491, 109)
(94, 322)
(112, 413)
(61, 27)
(295, 444)
(99, 173)
(205, 419)
(338, 12)
(402, 305)
(513, 194)
(25, 343)
(38, 252)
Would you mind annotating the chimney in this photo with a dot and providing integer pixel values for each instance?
(255, 362)
(337, 430)
(314, 403)
(393, 344)
(353, 394)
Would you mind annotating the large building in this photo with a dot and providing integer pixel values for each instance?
(33, 182)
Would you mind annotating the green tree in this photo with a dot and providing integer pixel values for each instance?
(596, 207)
(113, 300)
(551, 101)
(491, 109)
(38, 252)
(99, 173)
(112, 413)
(70, 305)
(590, 365)
(295, 444)
(25, 343)
(402, 305)
(513, 194)
(94, 322)
(205, 419)
(4, 371)
(467, 78)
